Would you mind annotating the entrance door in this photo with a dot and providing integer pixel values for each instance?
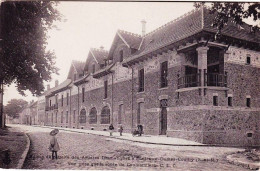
(163, 120)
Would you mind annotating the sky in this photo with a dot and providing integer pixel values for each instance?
(88, 25)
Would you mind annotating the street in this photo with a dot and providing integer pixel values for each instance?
(84, 151)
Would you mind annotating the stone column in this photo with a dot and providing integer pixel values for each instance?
(202, 62)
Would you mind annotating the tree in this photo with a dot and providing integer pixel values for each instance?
(235, 11)
(24, 58)
(14, 107)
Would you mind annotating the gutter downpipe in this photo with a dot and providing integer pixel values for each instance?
(70, 109)
(78, 109)
(132, 98)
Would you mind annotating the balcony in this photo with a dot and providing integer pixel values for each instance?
(53, 107)
(210, 79)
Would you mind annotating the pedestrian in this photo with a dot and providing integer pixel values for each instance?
(111, 128)
(54, 146)
(121, 130)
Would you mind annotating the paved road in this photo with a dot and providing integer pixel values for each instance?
(83, 151)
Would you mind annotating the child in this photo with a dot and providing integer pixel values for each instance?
(121, 130)
(54, 146)
(111, 128)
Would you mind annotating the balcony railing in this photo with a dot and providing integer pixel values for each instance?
(210, 79)
(192, 80)
(47, 108)
(215, 79)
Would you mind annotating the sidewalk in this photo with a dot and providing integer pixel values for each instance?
(14, 146)
(245, 159)
(148, 139)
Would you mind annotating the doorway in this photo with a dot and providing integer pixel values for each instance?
(163, 117)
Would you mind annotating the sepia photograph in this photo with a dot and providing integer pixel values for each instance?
(130, 85)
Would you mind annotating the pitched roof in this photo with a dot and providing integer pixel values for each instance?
(60, 87)
(133, 40)
(99, 55)
(78, 65)
(193, 22)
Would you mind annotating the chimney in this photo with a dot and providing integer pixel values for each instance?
(56, 83)
(48, 87)
(143, 27)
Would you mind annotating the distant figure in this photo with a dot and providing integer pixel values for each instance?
(111, 128)
(54, 146)
(140, 129)
(121, 130)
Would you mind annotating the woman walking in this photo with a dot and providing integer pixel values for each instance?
(54, 146)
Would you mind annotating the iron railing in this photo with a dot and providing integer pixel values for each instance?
(191, 80)
(210, 79)
(215, 79)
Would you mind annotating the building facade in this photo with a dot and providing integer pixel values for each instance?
(177, 80)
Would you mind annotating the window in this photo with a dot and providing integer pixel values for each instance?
(61, 117)
(105, 89)
(56, 99)
(230, 101)
(121, 54)
(74, 116)
(82, 116)
(248, 102)
(67, 117)
(164, 73)
(141, 80)
(50, 103)
(56, 117)
(140, 112)
(52, 118)
(67, 98)
(93, 68)
(105, 115)
(75, 76)
(120, 112)
(93, 116)
(83, 94)
(61, 100)
(248, 60)
(215, 100)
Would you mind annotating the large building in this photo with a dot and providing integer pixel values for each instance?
(176, 81)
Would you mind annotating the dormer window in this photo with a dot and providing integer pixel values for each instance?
(121, 54)
(93, 68)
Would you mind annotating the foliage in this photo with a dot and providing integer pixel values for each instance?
(24, 57)
(234, 11)
(14, 107)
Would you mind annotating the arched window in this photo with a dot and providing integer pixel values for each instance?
(82, 116)
(105, 115)
(93, 116)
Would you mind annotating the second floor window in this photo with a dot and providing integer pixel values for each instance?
(105, 89)
(93, 68)
(164, 74)
(61, 100)
(121, 55)
(141, 80)
(67, 98)
(83, 94)
(230, 101)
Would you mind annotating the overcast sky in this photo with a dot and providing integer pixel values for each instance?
(94, 24)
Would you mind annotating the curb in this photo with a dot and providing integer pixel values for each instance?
(22, 158)
(154, 143)
(237, 162)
